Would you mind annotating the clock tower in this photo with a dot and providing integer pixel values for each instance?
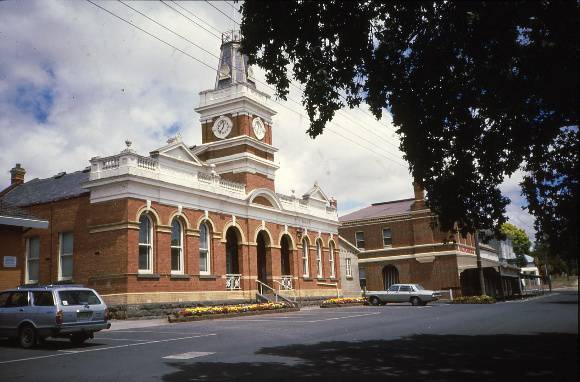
(236, 122)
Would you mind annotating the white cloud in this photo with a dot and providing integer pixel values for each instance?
(103, 81)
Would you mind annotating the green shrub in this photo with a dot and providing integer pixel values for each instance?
(474, 300)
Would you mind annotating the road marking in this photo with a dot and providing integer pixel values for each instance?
(118, 339)
(73, 352)
(344, 317)
(190, 355)
(145, 331)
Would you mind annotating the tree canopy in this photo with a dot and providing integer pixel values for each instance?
(477, 90)
(520, 240)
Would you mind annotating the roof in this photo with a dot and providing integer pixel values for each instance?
(16, 216)
(37, 191)
(375, 210)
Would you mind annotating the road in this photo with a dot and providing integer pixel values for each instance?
(528, 340)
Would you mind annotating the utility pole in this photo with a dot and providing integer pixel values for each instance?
(478, 259)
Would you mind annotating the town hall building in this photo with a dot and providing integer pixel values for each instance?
(183, 223)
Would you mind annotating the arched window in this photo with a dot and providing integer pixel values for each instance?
(145, 244)
(331, 259)
(319, 259)
(305, 266)
(176, 246)
(204, 249)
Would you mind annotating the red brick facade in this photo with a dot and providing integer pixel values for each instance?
(105, 255)
(420, 252)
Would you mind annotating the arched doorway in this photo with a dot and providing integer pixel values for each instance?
(285, 264)
(262, 260)
(390, 276)
(232, 244)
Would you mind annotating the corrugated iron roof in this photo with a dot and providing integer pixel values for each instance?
(37, 191)
(376, 210)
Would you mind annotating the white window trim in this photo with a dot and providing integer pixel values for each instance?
(150, 252)
(60, 256)
(348, 267)
(356, 240)
(305, 259)
(390, 237)
(319, 271)
(331, 260)
(180, 271)
(27, 279)
(207, 251)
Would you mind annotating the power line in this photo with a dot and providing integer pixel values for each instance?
(197, 17)
(212, 68)
(196, 23)
(222, 12)
(168, 29)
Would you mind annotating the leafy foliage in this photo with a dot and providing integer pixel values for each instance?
(520, 240)
(474, 88)
(551, 188)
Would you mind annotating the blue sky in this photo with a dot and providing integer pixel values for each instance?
(75, 83)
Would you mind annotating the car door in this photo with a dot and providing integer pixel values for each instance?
(392, 293)
(405, 293)
(15, 310)
(44, 310)
(3, 317)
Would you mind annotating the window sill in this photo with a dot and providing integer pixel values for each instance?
(147, 276)
(178, 276)
(307, 278)
(349, 277)
(333, 279)
(207, 277)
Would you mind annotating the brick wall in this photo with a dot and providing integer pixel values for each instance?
(11, 244)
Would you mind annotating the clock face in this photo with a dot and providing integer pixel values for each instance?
(259, 128)
(222, 127)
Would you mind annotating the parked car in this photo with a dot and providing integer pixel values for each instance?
(413, 293)
(33, 313)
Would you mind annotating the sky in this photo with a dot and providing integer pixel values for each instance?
(76, 82)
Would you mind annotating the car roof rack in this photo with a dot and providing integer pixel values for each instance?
(47, 286)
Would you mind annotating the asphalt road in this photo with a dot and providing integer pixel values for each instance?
(529, 340)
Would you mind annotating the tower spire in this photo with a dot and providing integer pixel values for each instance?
(233, 65)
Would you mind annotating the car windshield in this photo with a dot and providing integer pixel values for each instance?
(419, 287)
(78, 297)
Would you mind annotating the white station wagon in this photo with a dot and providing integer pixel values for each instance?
(33, 313)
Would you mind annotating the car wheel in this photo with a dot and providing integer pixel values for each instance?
(375, 301)
(27, 336)
(415, 301)
(78, 339)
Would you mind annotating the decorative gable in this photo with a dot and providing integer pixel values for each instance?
(177, 150)
(316, 193)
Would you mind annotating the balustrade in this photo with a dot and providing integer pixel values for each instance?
(233, 281)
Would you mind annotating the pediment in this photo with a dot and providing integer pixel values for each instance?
(179, 151)
(316, 193)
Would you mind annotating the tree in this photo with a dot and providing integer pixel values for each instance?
(520, 241)
(551, 188)
(475, 89)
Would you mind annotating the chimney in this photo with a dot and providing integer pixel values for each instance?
(418, 190)
(17, 175)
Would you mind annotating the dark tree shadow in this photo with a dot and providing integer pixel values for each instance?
(541, 357)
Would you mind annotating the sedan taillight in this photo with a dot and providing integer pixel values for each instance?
(107, 314)
(59, 317)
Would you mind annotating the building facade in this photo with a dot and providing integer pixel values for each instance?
(188, 223)
(349, 275)
(399, 242)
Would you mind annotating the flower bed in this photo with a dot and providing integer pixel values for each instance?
(343, 301)
(202, 312)
(474, 300)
